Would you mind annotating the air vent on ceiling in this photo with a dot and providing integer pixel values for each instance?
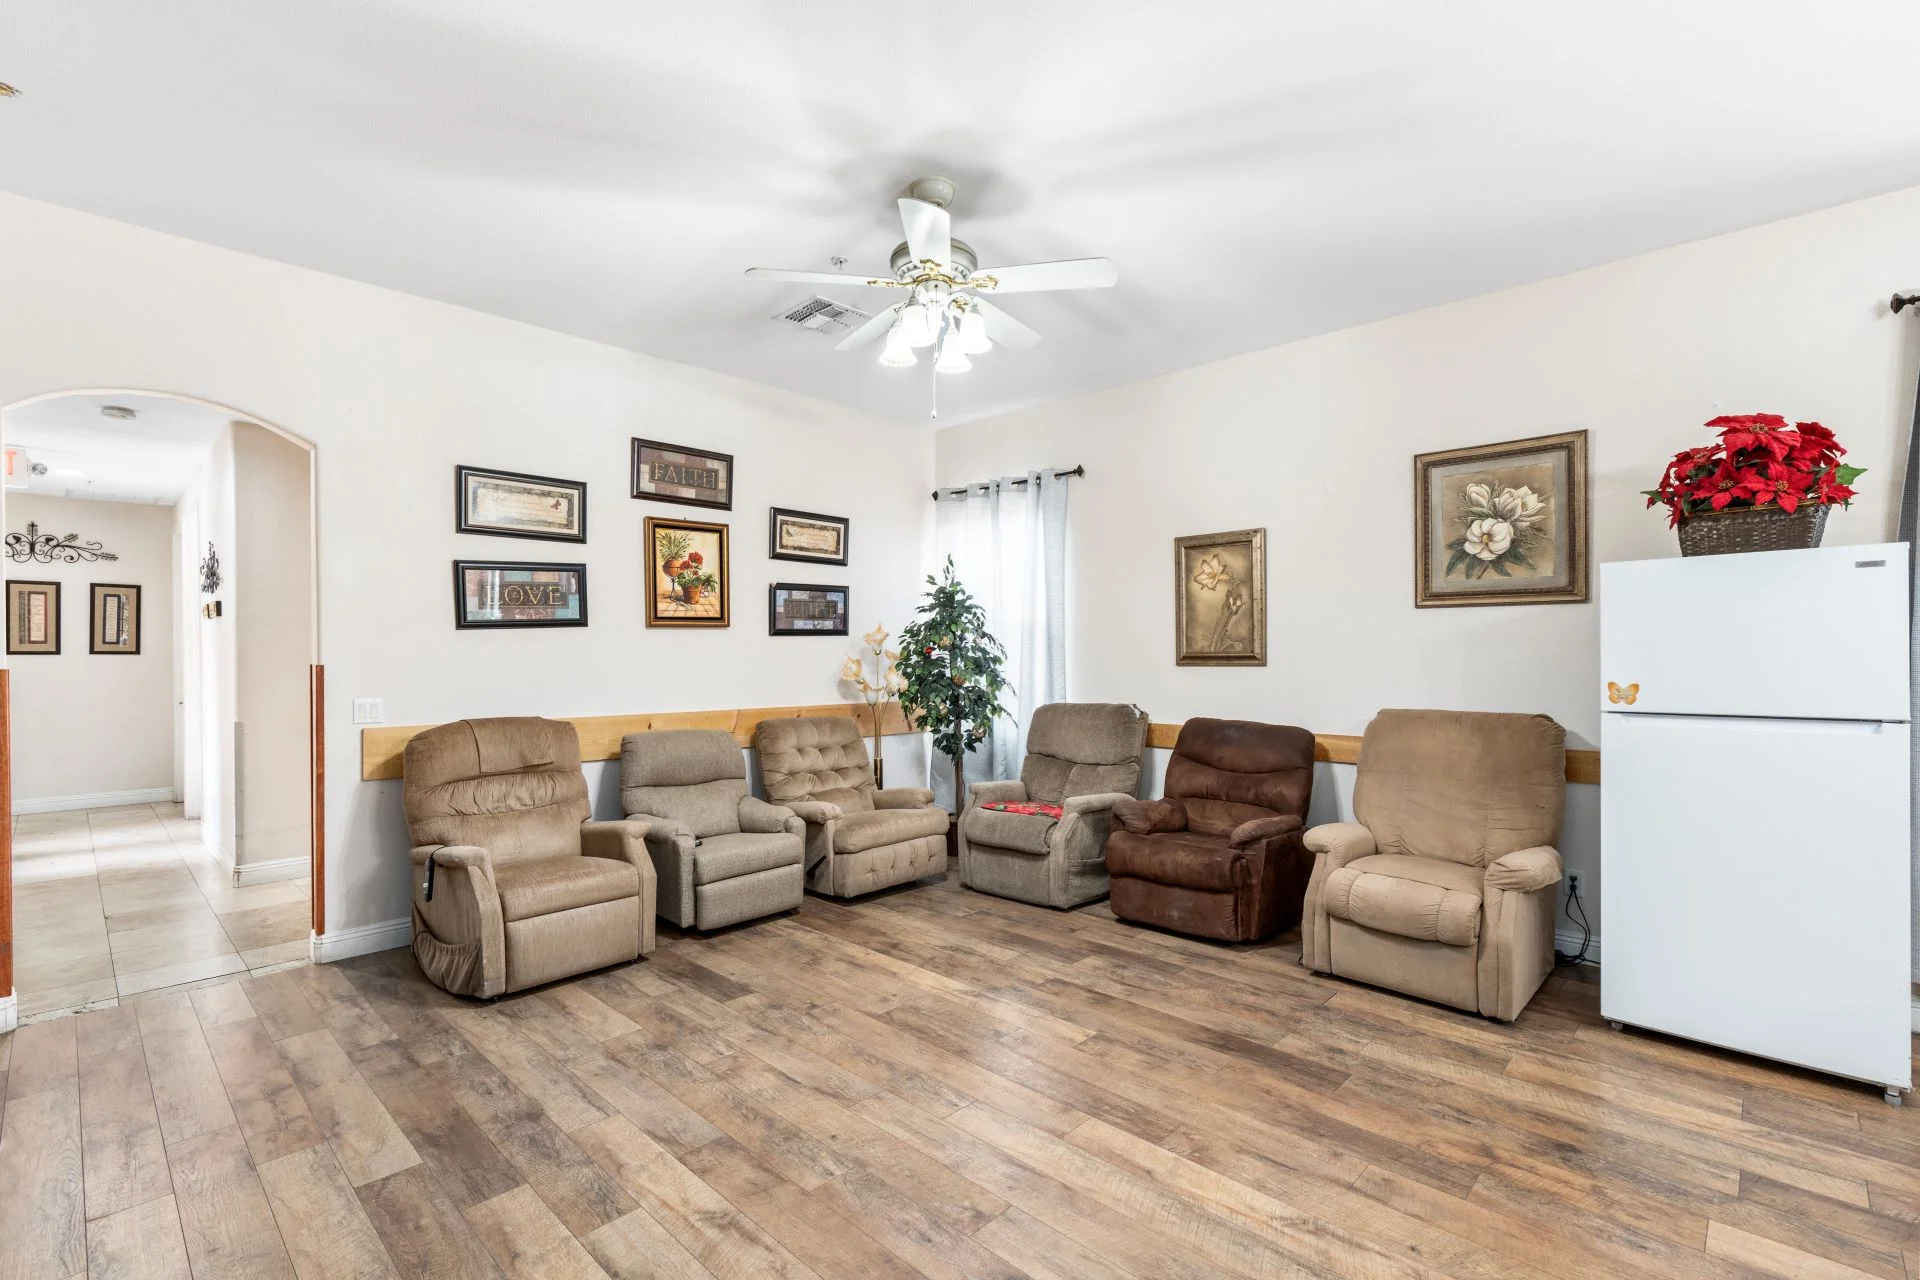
(823, 315)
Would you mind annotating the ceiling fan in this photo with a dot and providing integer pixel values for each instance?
(942, 280)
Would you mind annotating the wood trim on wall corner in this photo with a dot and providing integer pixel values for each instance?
(6, 834)
(383, 748)
(317, 802)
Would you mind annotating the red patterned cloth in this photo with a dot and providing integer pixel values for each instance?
(1031, 808)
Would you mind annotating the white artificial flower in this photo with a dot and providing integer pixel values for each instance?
(1481, 496)
(1520, 507)
(850, 669)
(876, 637)
(1488, 539)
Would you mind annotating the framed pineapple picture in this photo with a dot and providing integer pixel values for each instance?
(1502, 523)
(689, 583)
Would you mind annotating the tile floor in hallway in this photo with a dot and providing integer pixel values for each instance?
(115, 903)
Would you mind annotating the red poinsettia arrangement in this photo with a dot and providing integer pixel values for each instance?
(1759, 460)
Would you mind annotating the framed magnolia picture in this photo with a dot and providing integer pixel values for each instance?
(688, 581)
(511, 505)
(1220, 599)
(113, 618)
(1502, 523)
(517, 593)
(807, 535)
(803, 609)
(676, 473)
(33, 617)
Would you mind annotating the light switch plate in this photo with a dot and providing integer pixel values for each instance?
(369, 711)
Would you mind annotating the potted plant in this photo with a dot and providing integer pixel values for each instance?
(878, 691)
(673, 551)
(951, 674)
(693, 581)
(1763, 486)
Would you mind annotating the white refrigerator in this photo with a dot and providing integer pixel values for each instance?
(1754, 805)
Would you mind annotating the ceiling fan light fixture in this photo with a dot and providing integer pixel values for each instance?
(952, 358)
(898, 352)
(917, 323)
(972, 328)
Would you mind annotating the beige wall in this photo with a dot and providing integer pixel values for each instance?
(89, 725)
(1314, 441)
(393, 391)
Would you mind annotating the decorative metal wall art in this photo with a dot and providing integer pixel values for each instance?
(210, 572)
(45, 548)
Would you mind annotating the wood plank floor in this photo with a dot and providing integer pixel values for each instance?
(928, 1083)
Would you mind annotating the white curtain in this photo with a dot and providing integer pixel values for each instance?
(1909, 524)
(1008, 540)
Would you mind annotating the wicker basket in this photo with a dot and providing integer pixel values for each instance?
(1768, 528)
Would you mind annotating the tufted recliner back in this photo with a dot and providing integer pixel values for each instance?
(1083, 749)
(511, 785)
(1467, 786)
(1226, 772)
(815, 758)
(694, 776)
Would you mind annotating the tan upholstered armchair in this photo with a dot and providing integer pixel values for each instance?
(722, 855)
(1081, 757)
(512, 887)
(859, 839)
(1444, 887)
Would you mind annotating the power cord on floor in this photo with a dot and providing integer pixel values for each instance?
(1586, 930)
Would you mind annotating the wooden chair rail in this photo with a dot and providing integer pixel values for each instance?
(383, 748)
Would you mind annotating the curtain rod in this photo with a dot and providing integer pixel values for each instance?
(1901, 301)
(1057, 475)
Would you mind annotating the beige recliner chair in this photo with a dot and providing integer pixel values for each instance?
(512, 887)
(859, 839)
(722, 855)
(1444, 888)
(1082, 757)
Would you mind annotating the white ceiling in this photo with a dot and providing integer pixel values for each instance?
(1258, 171)
(151, 458)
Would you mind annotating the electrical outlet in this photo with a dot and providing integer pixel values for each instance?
(1573, 885)
(369, 711)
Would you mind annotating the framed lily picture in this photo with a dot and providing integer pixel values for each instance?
(1502, 523)
(1220, 599)
(688, 581)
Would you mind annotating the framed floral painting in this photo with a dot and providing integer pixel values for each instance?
(688, 581)
(1220, 599)
(1502, 523)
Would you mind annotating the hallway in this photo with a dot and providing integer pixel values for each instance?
(112, 903)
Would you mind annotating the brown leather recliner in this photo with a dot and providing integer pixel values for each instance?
(1220, 855)
(524, 889)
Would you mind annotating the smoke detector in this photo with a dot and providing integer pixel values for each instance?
(120, 411)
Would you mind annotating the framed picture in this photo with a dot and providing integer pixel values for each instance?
(675, 473)
(688, 582)
(1502, 523)
(1220, 599)
(33, 617)
(805, 609)
(806, 535)
(516, 593)
(519, 506)
(113, 618)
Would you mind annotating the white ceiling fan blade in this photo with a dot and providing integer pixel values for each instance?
(1032, 277)
(1003, 328)
(929, 231)
(819, 277)
(870, 330)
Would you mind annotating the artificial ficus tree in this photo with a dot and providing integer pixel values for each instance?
(953, 674)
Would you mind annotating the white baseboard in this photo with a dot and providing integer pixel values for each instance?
(268, 872)
(10, 1013)
(344, 944)
(94, 800)
(1569, 942)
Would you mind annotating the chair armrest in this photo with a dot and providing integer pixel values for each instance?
(757, 815)
(1340, 842)
(814, 811)
(453, 855)
(1097, 802)
(622, 840)
(1259, 829)
(662, 830)
(902, 798)
(1524, 870)
(987, 792)
(1145, 817)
